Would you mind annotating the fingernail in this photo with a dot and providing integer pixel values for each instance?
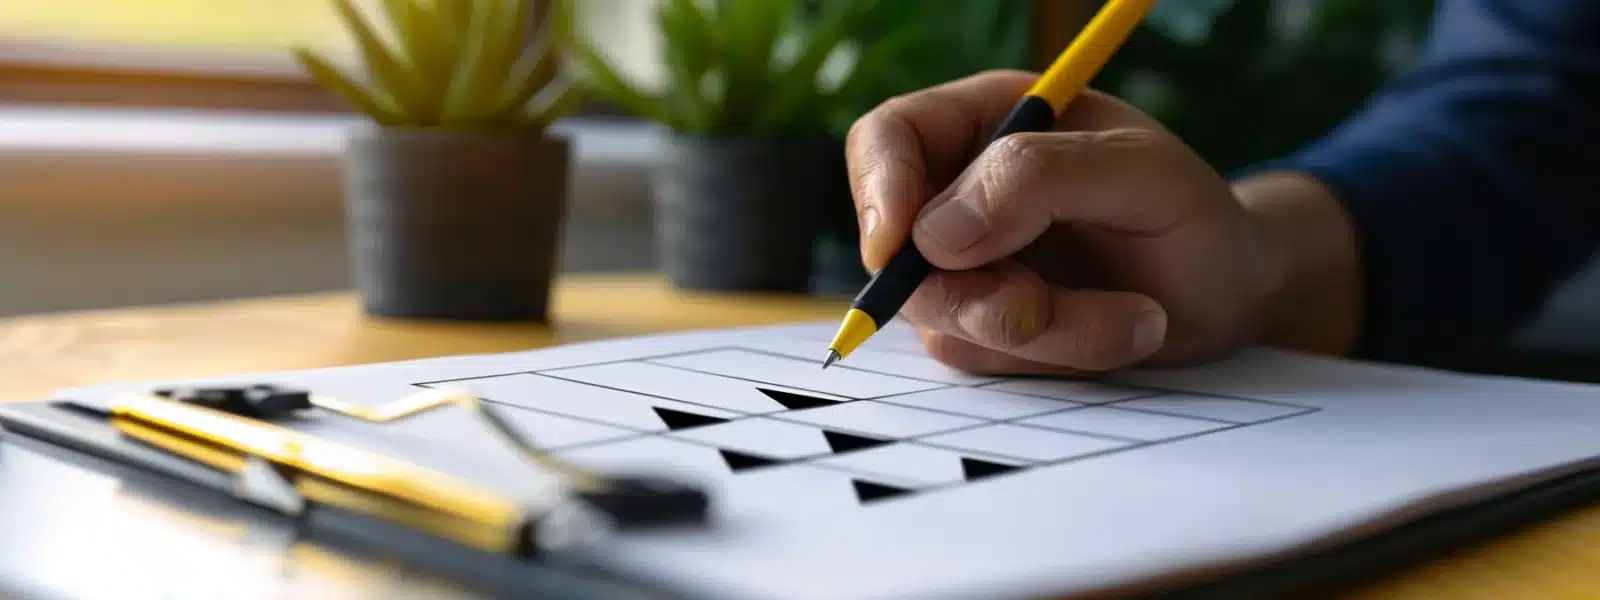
(1007, 317)
(1148, 333)
(1028, 322)
(953, 225)
(869, 220)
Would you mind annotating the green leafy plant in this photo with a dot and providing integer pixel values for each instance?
(944, 41)
(749, 67)
(492, 64)
(1240, 80)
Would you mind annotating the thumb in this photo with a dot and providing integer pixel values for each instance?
(1121, 179)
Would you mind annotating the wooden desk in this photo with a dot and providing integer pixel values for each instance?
(1558, 560)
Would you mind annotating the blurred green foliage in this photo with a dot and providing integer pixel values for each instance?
(1247, 80)
(754, 67)
(1239, 80)
(453, 63)
(937, 41)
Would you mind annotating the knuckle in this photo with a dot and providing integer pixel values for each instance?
(883, 161)
(1001, 75)
(897, 107)
(1013, 169)
(934, 305)
(1025, 151)
(1134, 138)
(948, 301)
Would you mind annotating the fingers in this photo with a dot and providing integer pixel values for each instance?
(1129, 180)
(1018, 317)
(967, 356)
(948, 300)
(910, 147)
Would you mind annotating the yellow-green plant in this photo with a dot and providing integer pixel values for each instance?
(488, 64)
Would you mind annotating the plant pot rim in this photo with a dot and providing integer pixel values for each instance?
(751, 138)
(437, 133)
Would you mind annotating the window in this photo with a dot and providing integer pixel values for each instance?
(172, 150)
(163, 53)
(229, 54)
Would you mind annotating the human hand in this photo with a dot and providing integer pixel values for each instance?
(1103, 244)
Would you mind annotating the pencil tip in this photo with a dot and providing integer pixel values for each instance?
(833, 355)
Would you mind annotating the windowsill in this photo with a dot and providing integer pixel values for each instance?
(141, 58)
(197, 144)
(96, 130)
(111, 207)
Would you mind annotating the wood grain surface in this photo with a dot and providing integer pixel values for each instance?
(1556, 560)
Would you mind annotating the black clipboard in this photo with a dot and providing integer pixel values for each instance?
(50, 441)
(66, 439)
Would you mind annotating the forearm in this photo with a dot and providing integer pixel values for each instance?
(1316, 300)
(1435, 223)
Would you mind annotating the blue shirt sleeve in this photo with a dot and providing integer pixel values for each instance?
(1472, 177)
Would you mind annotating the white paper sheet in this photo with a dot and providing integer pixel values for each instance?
(1101, 484)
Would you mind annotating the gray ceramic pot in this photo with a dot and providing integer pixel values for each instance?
(455, 225)
(743, 214)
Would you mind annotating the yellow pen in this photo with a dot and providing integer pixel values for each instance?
(1038, 109)
(289, 470)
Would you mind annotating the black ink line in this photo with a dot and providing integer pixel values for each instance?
(601, 363)
(638, 359)
(759, 382)
(799, 359)
(644, 394)
(1140, 393)
(1151, 411)
(1151, 389)
(890, 401)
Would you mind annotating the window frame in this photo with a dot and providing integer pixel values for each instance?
(125, 75)
(37, 72)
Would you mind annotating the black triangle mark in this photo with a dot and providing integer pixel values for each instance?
(793, 401)
(979, 469)
(868, 492)
(739, 461)
(845, 442)
(677, 419)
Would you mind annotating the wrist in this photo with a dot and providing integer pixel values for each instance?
(1313, 289)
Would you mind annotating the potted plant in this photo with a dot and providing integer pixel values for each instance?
(456, 189)
(751, 163)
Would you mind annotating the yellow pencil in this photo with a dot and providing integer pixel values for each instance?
(1038, 109)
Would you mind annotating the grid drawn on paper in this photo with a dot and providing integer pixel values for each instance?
(753, 414)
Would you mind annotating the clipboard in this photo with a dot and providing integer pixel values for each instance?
(217, 448)
(54, 439)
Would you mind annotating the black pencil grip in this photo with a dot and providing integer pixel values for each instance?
(893, 285)
(1031, 114)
